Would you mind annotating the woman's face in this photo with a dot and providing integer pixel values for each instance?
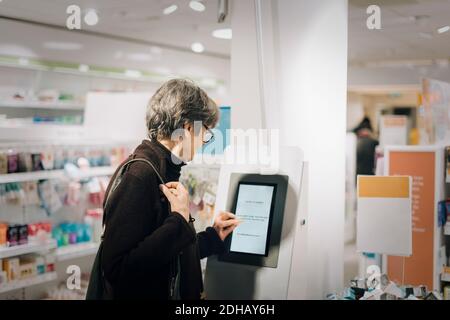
(193, 140)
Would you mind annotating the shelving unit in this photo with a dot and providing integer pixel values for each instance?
(26, 248)
(445, 277)
(76, 251)
(58, 105)
(53, 174)
(20, 284)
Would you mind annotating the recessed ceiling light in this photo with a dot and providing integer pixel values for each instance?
(443, 29)
(170, 9)
(91, 17)
(197, 6)
(197, 47)
(226, 33)
(55, 45)
(83, 68)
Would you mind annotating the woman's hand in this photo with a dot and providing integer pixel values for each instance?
(225, 223)
(178, 197)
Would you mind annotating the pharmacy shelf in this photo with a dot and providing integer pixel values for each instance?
(22, 131)
(19, 284)
(26, 248)
(445, 277)
(42, 105)
(54, 174)
(75, 251)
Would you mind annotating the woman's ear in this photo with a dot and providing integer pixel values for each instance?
(188, 127)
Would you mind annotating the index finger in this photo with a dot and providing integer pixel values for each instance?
(227, 215)
(172, 185)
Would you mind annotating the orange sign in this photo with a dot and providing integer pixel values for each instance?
(417, 269)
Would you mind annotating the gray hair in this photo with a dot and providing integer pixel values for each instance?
(176, 103)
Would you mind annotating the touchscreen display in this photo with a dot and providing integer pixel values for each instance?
(253, 208)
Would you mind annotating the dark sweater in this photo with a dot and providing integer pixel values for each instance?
(143, 236)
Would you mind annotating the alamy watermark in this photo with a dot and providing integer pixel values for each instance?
(373, 22)
(73, 21)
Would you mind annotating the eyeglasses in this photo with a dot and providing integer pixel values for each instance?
(208, 136)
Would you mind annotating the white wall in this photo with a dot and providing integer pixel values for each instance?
(304, 65)
(244, 67)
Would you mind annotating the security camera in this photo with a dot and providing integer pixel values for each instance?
(223, 10)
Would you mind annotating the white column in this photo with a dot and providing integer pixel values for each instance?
(303, 75)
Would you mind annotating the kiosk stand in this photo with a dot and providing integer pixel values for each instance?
(266, 254)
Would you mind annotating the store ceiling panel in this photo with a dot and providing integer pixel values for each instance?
(136, 19)
(409, 31)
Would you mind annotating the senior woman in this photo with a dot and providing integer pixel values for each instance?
(150, 248)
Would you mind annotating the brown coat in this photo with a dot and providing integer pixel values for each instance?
(143, 236)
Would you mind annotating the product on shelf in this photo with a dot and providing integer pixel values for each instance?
(22, 234)
(3, 277)
(40, 265)
(3, 162)
(39, 232)
(13, 161)
(3, 234)
(25, 267)
(12, 268)
(94, 218)
(13, 235)
(19, 158)
(50, 260)
(72, 233)
(25, 162)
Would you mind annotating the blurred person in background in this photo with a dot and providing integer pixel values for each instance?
(365, 149)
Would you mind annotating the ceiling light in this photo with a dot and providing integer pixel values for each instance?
(443, 29)
(170, 9)
(226, 33)
(91, 17)
(24, 61)
(197, 47)
(155, 50)
(54, 45)
(197, 6)
(140, 57)
(83, 68)
(133, 73)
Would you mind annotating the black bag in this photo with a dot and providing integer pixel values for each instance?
(99, 288)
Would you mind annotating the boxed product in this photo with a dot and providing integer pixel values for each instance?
(3, 234)
(22, 234)
(12, 268)
(40, 265)
(27, 270)
(3, 278)
(13, 235)
(28, 266)
(50, 260)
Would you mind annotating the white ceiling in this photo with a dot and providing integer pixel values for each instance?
(403, 21)
(137, 19)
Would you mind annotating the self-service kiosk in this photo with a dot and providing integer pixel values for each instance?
(265, 256)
